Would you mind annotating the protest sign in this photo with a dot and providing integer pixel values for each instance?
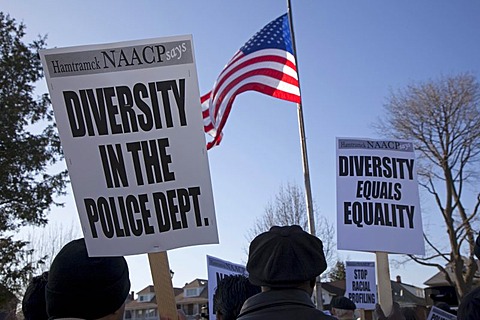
(130, 123)
(360, 284)
(439, 314)
(378, 206)
(217, 270)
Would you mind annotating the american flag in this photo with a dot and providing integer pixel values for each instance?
(266, 64)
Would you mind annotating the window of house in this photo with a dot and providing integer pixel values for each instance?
(128, 314)
(191, 292)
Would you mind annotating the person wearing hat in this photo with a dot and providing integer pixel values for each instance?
(469, 308)
(343, 308)
(33, 302)
(84, 287)
(230, 294)
(285, 262)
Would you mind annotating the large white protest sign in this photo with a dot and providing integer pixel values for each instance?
(378, 206)
(361, 285)
(130, 123)
(217, 270)
(439, 314)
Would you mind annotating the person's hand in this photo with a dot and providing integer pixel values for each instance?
(395, 314)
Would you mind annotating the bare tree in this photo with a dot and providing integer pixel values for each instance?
(289, 208)
(46, 241)
(442, 118)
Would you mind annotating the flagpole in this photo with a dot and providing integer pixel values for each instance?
(317, 292)
(303, 142)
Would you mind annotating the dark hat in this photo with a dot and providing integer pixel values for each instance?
(343, 303)
(33, 303)
(285, 257)
(85, 287)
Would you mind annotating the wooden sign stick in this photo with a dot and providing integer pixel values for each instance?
(162, 281)
(384, 285)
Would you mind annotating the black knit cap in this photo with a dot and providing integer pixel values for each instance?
(85, 287)
(343, 303)
(285, 257)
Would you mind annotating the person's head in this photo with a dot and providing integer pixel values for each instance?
(86, 287)
(343, 308)
(445, 307)
(33, 303)
(285, 257)
(469, 308)
(230, 294)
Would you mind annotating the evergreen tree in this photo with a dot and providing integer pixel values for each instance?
(29, 146)
(337, 272)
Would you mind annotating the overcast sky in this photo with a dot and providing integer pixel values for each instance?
(351, 54)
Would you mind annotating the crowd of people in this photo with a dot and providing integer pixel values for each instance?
(283, 265)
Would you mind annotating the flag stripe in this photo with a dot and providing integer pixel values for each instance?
(270, 85)
(265, 64)
(274, 56)
(272, 78)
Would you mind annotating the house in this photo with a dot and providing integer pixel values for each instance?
(404, 294)
(192, 299)
(408, 296)
(440, 290)
(145, 306)
(331, 290)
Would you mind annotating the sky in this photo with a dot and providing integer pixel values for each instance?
(350, 56)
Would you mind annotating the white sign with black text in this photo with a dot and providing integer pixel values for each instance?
(361, 285)
(439, 314)
(378, 204)
(217, 270)
(130, 124)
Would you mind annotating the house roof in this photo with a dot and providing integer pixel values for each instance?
(439, 279)
(140, 305)
(336, 288)
(151, 304)
(147, 289)
(196, 284)
(201, 298)
(177, 291)
(404, 294)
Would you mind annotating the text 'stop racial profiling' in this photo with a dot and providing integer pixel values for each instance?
(360, 283)
(361, 293)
